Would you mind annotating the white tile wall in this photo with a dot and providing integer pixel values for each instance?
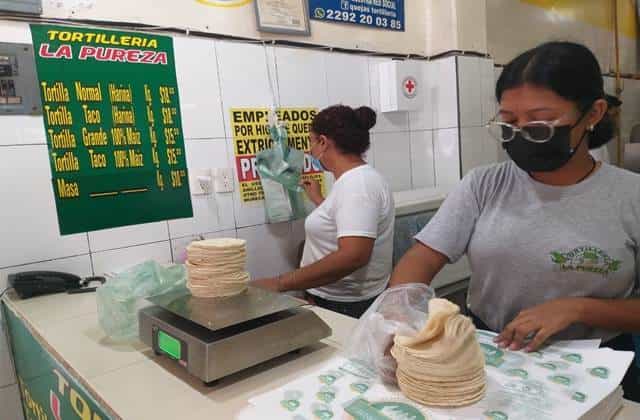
(79, 265)
(422, 119)
(212, 212)
(478, 148)
(243, 76)
(422, 162)
(488, 82)
(10, 403)
(200, 102)
(347, 79)
(302, 77)
(28, 219)
(470, 91)
(443, 92)
(393, 158)
(120, 259)
(21, 130)
(244, 84)
(446, 157)
(105, 239)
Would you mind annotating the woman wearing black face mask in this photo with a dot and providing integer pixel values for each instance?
(552, 235)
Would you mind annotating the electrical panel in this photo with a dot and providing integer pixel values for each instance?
(19, 94)
(21, 6)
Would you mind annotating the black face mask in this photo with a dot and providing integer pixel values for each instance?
(543, 157)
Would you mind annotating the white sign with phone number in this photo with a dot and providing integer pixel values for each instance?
(383, 14)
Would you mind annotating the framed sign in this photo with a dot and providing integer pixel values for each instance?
(112, 116)
(382, 14)
(283, 16)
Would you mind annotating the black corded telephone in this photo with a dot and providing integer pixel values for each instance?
(35, 283)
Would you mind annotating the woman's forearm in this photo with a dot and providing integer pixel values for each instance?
(419, 265)
(610, 314)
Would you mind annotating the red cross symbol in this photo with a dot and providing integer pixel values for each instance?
(410, 86)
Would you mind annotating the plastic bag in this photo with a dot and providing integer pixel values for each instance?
(400, 310)
(121, 297)
(280, 169)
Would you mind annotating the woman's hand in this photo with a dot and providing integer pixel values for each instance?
(539, 323)
(313, 190)
(269, 283)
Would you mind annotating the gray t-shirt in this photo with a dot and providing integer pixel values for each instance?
(529, 242)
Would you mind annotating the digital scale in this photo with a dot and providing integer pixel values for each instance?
(215, 337)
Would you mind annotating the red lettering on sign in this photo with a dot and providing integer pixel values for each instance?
(246, 167)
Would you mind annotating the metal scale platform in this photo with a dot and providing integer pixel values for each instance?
(215, 337)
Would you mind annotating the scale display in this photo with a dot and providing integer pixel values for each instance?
(169, 345)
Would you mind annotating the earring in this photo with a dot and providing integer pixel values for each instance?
(590, 128)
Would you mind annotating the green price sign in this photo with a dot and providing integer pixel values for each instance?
(112, 117)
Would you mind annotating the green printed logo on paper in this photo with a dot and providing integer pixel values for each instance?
(586, 259)
(496, 415)
(291, 405)
(360, 388)
(493, 356)
(291, 401)
(361, 409)
(548, 365)
(398, 410)
(327, 379)
(572, 357)
(519, 373)
(600, 372)
(560, 380)
(528, 387)
(358, 369)
(326, 394)
(322, 411)
(579, 396)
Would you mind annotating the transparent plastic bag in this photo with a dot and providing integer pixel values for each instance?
(121, 297)
(280, 169)
(400, 310)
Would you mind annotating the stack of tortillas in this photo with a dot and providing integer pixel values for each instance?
(216, 267)
(443, 365)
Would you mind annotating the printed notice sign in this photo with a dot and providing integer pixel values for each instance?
(250, 132)
(382, 14)
(112, 118)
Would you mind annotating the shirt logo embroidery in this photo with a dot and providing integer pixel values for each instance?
(587, 259)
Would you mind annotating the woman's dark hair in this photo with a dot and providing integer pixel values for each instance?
(347, 127)
(570, 70)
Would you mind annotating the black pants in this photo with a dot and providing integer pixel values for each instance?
(352, 309)
(623, 342)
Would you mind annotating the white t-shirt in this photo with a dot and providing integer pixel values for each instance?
(359, 204)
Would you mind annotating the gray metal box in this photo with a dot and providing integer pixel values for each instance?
(19, 88)
(22, 6)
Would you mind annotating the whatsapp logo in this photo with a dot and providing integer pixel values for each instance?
(318, 13)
